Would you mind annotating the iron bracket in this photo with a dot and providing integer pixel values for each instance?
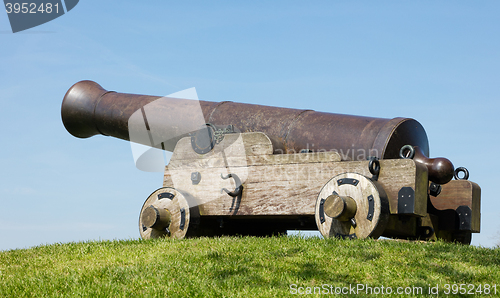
(406, 200)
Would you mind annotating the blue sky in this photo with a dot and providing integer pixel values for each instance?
(437, 62)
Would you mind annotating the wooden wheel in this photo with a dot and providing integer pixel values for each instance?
(165, 213)
(351, 206)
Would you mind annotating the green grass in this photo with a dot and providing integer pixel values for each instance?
(239, 267)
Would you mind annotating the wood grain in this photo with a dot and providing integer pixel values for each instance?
(360, 193)
(174, 207)
(458, 193)
(285, 184)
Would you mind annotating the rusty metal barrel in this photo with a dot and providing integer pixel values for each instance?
(88, 109)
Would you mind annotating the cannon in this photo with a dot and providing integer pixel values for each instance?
(256, 170)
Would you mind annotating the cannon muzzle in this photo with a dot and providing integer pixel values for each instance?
(88, 110)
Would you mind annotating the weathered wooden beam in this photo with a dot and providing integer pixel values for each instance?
(463, 197)
(275, 184)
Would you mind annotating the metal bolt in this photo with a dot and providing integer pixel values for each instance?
(195, 177)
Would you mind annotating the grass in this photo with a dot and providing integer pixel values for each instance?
(240, 267)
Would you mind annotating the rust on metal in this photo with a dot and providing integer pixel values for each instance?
(88, 109)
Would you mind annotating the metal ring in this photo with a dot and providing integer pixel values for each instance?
(374, 170)
(411, 151)
(427, 232)
(464, 170)
(202, 135)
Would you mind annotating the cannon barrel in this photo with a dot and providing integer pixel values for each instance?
(88, 109)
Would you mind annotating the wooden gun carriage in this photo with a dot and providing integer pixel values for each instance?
(256, 170)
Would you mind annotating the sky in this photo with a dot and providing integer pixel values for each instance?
(435, 61)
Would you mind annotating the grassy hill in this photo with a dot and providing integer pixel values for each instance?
(248, 267)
